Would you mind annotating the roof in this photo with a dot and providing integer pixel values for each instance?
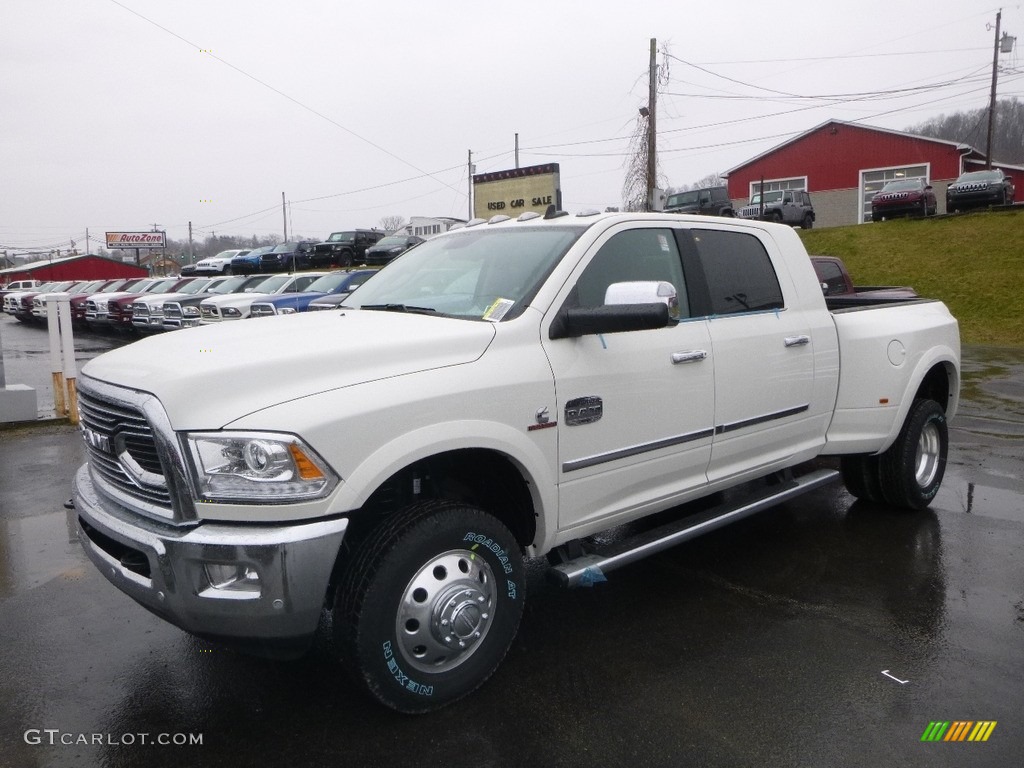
(33, 265)
(964, 149)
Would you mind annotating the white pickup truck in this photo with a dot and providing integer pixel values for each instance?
(505, 391)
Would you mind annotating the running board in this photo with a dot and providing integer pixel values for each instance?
(588, 568)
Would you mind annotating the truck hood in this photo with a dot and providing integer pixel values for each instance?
(210, 376)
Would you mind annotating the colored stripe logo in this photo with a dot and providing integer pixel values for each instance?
(959, 730)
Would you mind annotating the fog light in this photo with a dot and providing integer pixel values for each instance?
(232, 578)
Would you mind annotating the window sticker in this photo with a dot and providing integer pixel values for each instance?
(498, 310)
(663, 242)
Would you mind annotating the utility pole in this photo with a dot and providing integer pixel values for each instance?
(86, 241)
(191, 258)
(992, 99)
(517, 150)
(652, 153)
(284, 215)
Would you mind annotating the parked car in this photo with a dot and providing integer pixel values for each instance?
(710, 201)
(337, 298)
(287, 257)
(148, 309)
(237, 307)
(219, 264)
(345, 248)
(97, 305)
(838, 287)
(12, 299)
(979, 189)
(25, 299)
(903, 197)
(783, 206)
(183, 312)
(119, 310)
(41, 300)
(79, 302)
(388, 248)
(333, 284)
(249, 263)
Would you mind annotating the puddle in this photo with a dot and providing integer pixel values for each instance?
(36, 550)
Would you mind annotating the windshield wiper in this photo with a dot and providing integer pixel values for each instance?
(401, 308)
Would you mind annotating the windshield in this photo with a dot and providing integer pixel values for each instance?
(162, 286)
(683, 198)
(270, 285)
(194, 287)
(769, 197)
(981, 176)
(328, 283)
(284, 248)
(391, 241)
(236, 284)
(341, 237)
(902, 185)
(477, 274)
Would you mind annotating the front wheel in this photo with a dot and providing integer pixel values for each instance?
(430, 605)
(808, 222)
(913, 467)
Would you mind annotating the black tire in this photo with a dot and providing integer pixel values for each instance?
(913, 467)
(776, 216)
(862, 477)
(808, 222)
(432, 567)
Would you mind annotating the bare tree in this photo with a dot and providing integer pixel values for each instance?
(970, 128)
(392, 223)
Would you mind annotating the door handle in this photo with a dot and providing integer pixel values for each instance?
(693, 356)
(797, 341)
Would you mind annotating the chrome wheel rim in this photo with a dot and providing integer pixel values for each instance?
(446, 611)
(929, 450)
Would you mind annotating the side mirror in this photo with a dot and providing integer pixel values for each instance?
(631, 306)
(824, 287)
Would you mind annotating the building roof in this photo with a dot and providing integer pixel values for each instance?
(964, 149)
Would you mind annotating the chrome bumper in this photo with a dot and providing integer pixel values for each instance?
(164, 568)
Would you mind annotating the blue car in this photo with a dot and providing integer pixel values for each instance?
(334, 284)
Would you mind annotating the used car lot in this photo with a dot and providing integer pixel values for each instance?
(695, 656)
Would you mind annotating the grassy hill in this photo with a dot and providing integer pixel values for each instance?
(974, 263)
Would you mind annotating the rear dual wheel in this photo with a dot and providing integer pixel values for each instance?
(909, 473)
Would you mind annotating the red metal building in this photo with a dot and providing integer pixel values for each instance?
(87, 267)
(843, 165)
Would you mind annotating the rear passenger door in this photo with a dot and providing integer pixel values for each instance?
(763, 350)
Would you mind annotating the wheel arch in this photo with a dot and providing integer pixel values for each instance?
(485, 464)
(937, 378)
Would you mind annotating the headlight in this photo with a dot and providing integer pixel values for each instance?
(286, 311)
(230, 312)
(190, 311)
(257, 467)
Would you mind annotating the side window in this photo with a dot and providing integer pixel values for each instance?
(638, 254)
(739, 272)
(830, 274)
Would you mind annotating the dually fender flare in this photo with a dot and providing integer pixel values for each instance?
(534, 458)
(940, 355)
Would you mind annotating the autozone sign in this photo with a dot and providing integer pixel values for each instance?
(135, 240)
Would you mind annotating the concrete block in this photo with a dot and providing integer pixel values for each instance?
(18, 403)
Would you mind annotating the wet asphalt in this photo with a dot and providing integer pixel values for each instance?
(826, 632)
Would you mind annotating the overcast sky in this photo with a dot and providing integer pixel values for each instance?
(122, 114)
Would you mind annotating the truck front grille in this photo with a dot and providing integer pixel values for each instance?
(135, 463)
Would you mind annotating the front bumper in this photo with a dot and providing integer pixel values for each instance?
(164, 569)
